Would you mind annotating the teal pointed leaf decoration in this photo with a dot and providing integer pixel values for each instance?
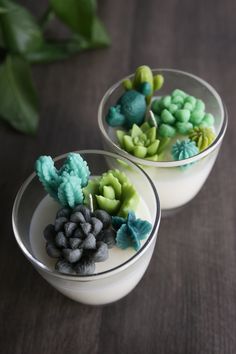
(117, 222)
(64, 185)
(124, 239)
(130, 231)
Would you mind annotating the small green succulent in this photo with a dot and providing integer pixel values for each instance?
(112, 192)
(179, 113)
(142, 142)
(143, 74)
(202, 136)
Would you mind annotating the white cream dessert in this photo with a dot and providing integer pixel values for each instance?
(92, 237)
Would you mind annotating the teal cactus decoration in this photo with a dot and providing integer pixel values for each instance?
(75, 165)
(180, 113)
(113, 193)
(184, 149)
(130, 231)
(143, 74)
(70, 190)
(142, 142)
(130, 109)
(64, 185)
(48, 174)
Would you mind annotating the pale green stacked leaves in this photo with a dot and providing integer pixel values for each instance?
(202, 136)
(179, 113)
(112, 192)
(142, 142)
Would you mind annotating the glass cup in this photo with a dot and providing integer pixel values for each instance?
(101, 287)
(176, 185)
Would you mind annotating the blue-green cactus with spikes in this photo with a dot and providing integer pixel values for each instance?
(130, 108)
(64, 185)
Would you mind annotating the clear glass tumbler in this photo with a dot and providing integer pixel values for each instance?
(176, 186)
(101, 287)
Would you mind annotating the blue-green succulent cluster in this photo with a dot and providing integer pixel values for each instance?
(184, 149)
(130, 231)
(64, 185)
(180, 113)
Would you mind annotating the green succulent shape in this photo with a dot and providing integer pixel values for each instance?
(112, 192)
(179, 113)
(64, 185)
(202, 136)
(141, 141)
(143, 74)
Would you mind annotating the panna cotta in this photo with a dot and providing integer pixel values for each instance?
(94, 253)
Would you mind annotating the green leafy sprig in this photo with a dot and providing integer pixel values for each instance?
(22, 41)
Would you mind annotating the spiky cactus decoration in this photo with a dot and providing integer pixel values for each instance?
(64, 185)
(143, 74)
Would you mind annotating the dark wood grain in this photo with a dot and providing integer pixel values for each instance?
(186, 302)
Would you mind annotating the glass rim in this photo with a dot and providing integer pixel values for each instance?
(146, 162)
(40, 265)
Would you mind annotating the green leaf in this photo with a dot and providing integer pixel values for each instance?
(3, 10)
(20, 31)
(77, 14)
(1, 39)
(51, 51)
(47, 16)
(18, 100)
(100, 36)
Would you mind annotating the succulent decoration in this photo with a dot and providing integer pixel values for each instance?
(113, 193)
(64, 185)
(142, 142)
(150, 125)
(143, 74)
(79, 238)
(130, 231)
(132, 105)
(83, 231)
(184, 149)
(180, 113)
(130, 108)
(202, 136)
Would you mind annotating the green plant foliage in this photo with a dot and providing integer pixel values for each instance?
(18, 99)
(20, 31)
(23, 39)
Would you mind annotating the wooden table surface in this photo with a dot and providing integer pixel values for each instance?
(186, 302)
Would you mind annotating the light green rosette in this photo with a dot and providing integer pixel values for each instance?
(113, 193)
(202, 136)
(142, 142)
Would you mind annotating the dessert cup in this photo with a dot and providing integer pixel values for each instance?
(176, 184)
(112, 283)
